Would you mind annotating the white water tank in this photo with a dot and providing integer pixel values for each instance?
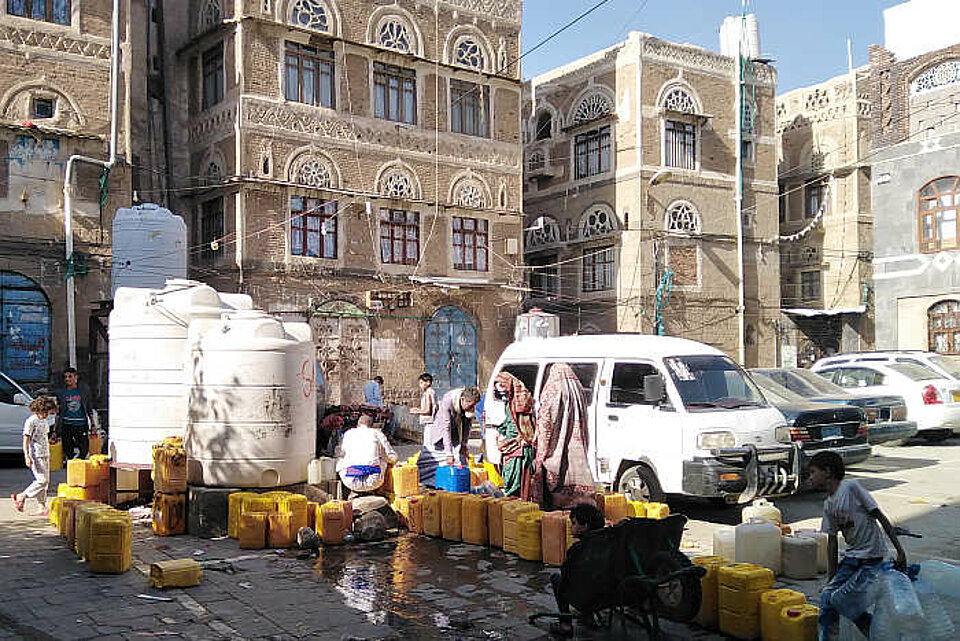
(252, 411)
(149, 358)
(536, 324)
(730, 34)
(149, 247)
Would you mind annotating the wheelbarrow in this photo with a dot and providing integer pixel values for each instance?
(635, 569)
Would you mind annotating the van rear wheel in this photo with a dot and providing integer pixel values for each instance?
(639, 483)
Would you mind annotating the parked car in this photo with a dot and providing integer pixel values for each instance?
(932, 401)
(13, 412)
(946, 366)
(819, 426)
(667, 416)
(886, 416)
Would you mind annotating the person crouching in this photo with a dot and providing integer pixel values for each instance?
(364, 454)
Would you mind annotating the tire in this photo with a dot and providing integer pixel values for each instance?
(679, 600)
(639, 483)
(935, 436)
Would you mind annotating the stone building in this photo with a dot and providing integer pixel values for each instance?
(630, 176)
(825, 218)
(54, 75)
(915, 131)
(358, 165)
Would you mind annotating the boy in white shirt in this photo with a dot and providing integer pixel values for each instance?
(36, 453)
(849, 509)
(363, 456)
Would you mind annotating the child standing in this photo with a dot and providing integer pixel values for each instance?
(36, 452)
(849, 509)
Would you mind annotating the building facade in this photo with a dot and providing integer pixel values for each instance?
(826, 223)
(356, 165)
(55, 79)
(916, 194)
(630, 195)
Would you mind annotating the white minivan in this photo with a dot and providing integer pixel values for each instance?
(667, 416)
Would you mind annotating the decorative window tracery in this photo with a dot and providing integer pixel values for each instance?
(310, 14)
(211, 15)
(677, 99)
(214, 172)
(537, 160)
(394, 34)
(683, 218)
(470, 194)
(397, 183)
(312, 172)
(598, 221)
(547, 234)
(469, 53)
(748, 117)
(941, 75)
(594, 106)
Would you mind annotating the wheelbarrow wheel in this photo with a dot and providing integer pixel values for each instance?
(679, 598)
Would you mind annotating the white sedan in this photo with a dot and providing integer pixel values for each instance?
(933, 402)
(13, 412)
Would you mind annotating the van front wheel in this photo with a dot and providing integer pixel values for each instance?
(639, 483)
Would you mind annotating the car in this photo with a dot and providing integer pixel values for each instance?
(886, 416)
(932, 401)
(819, 426)
(946, 366)
(13, 412)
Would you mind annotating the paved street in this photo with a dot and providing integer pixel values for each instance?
(412, 587)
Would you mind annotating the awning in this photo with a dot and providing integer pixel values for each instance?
(810, 313)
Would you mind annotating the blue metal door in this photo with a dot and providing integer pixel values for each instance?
(24, 329)
(450, 349)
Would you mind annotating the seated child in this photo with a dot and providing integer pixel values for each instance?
(584, 517)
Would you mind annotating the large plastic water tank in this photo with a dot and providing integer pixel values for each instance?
(252, 411)
(149, 359)
(536, 323)
(731, 32)
(149, 247)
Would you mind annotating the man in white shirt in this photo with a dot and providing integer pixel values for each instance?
(363, 456)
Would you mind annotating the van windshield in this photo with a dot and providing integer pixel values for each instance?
(712, 382)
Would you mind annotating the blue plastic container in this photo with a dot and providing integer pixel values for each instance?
(454, 478)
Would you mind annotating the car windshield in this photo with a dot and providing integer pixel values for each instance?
(816, 383)
(774, 391)
(706, 382)
(914, 372)
(949, 365)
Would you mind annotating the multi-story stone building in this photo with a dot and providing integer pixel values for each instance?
(631, 177)
(915, 83)
(357, 164)
(825, 218)
(54, 74)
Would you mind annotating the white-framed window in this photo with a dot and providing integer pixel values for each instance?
(598, 269)
(682, 218)
(310, 14)
(681, 129)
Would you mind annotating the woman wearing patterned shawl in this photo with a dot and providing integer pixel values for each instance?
(516, 435)
(562, 470)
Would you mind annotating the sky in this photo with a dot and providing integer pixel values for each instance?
(806, 38)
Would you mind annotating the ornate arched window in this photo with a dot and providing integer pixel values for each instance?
(682, 218)
(937, 203)
(467, 52)
(546, 233)
(311, 14)
(211, 15)
(594, 106)
(679, 100)
(544, 126)
(397, 183)
(393, 33)
(942, 75)
(943, 320)
(313, 173)
(470, 194)
(536, 160)
(214, 172)
(598, 220)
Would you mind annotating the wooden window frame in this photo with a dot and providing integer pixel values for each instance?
(398, 88)
(811, 190)
(951, 332)
(544, 276)
(935, 243)
(29, 13)
(212, 76)
(819, 285)
(471, 240)
(211, 228)
(469, 108)
(399, 230)
(298, 59)
(592, 153)
(678, 136)
(595, 265)
(308, 218)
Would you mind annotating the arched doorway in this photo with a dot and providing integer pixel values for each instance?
(450, 349)
(342, 334)
(943, 321)
(24, 329)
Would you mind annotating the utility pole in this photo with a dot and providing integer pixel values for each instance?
(741, 308)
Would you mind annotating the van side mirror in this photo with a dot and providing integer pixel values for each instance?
(653, 388)
(21, 399)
